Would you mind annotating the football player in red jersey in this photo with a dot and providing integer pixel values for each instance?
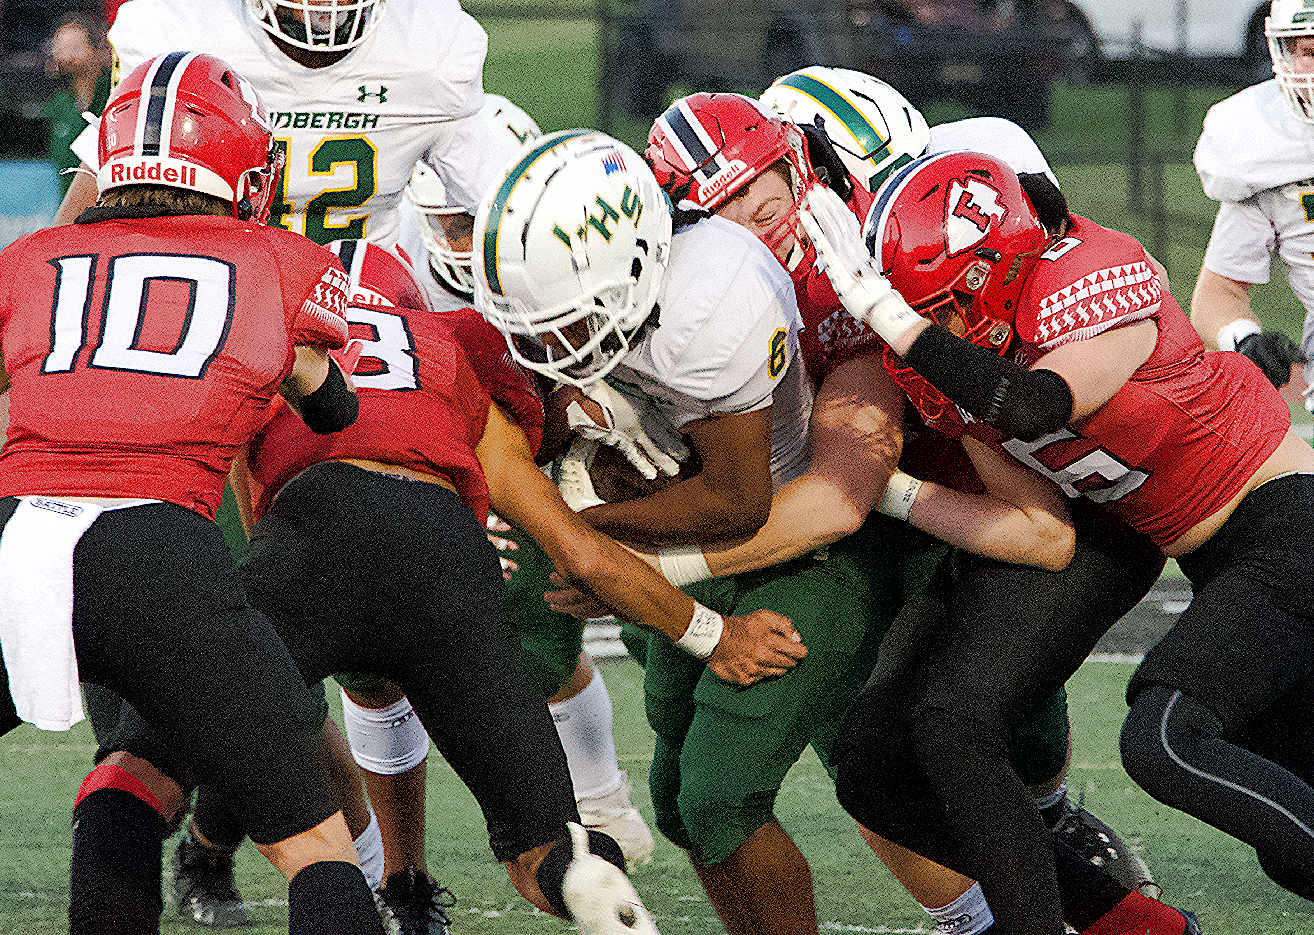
(1065, 352)
(855, 438)
(409, 487)
(122, 427)
(873, 131)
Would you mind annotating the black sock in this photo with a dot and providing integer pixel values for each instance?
(114, 881)
(1086, 891)
(552, 870)
(331, 897)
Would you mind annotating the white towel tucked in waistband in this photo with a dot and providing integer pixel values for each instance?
(36, 606)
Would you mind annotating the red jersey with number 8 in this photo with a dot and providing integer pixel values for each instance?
(422, 406)
(143, 353)
(1177, 441)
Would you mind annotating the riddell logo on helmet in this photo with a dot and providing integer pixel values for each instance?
(723, 180)
(148, 172)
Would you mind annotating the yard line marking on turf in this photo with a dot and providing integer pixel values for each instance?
(1125, 659)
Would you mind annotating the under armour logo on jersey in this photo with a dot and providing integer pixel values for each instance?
(972, 205)
(381, 94)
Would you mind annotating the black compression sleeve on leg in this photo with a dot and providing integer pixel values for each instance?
(332, 407)
(1023, 404)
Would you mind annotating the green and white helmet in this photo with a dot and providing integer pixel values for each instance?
(872, 127)
(1288, 20)
(426, 193)
(570, 252)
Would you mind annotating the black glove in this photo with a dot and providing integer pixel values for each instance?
(1273, 353)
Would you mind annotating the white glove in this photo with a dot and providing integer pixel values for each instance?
(867, 295)
(575, 484)
(622, 431)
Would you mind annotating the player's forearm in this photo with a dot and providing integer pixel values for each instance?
(1216, 303)
(586, 558)
(689, 512)
(80, 196)
(808, 513)
(979, 523)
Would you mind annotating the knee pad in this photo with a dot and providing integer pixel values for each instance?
(387, 740)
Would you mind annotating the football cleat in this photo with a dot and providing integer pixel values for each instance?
(203, 889)
(1101, 846)
(613, 815)
(599, 896)
(411, 903)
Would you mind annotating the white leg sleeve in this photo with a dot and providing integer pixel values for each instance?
(584, 726)
(369, 852)
(387, 740)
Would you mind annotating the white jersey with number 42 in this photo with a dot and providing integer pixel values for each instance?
(353, 130)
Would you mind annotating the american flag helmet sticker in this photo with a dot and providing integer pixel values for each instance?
(612, 162)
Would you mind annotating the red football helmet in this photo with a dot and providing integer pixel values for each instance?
(187, 120)
(956, 234)
(377, 276)
(706, 147)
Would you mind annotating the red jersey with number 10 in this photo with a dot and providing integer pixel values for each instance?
(143, 353)
(1177, 441)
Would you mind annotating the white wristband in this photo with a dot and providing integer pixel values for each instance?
(1234, 332)
(900, 493)
(683, 564)
(703, 633)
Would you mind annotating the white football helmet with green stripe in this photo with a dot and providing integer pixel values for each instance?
(872, 126)
(570, 249)
(1287, 21)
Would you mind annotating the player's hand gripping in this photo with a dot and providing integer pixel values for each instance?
(866, 294)
(1273, 353)
(754, 647)
(757, 646)
(620, 429)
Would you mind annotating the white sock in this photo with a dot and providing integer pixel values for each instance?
(966, 915)
(584, 726)
(369, 852)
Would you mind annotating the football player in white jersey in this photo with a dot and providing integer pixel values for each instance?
(710, 363)
(438, 228)
(1255, 157)
(356, 94)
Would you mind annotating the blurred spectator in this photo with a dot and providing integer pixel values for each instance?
(79, 53)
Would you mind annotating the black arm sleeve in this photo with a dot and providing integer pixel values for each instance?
(1024, 404)
(332, 407)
